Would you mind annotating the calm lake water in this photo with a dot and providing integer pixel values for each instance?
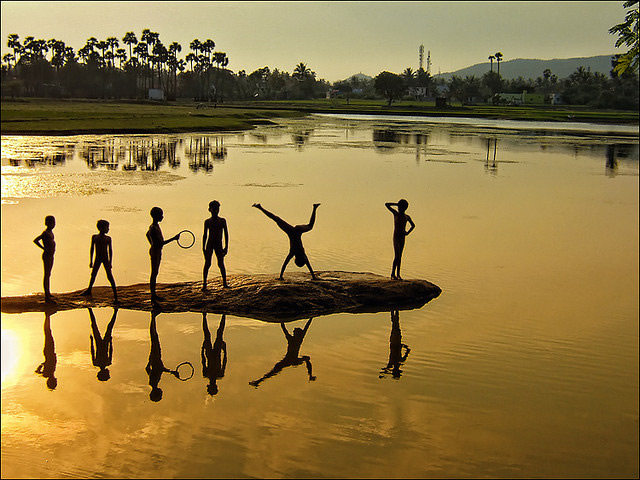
(525, 366)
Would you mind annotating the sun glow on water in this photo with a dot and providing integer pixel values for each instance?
(11, 356)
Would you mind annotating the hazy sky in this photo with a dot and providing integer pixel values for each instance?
(336, 39)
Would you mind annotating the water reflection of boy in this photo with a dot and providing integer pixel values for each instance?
(48, 368)
(46, 241)
(157, 241)
(295, 238)
(102, 353)
(155, 368)
(101, 245)
(214, 357)
(291, 358)
(215, 227)
(396, 357)
(400, 220)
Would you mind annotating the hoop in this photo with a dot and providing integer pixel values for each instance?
(187, 243)
(177, 374)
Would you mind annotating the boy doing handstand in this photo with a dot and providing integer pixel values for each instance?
(295, 238)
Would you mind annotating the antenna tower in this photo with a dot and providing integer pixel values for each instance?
(429, 62)
(421, 54)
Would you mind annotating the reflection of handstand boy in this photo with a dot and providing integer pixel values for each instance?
(157, 241)
(294, 342)
(102, 353)
(295, 238)
(400, 220)
(46, 241)
(214, 357)
(101, 244)
(396, 358)
(48, 368)
(214, 229)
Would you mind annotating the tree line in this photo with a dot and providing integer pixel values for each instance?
(127, 68)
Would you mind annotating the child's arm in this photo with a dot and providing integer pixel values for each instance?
(109, 251)
(389, 205)
(38, 239)
(91, 250)
(204, 237)
(225, 232)
(413, 225)
(172, 239)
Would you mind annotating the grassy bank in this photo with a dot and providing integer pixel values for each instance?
(65, 117)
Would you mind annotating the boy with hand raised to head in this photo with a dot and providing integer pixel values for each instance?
(400, 220)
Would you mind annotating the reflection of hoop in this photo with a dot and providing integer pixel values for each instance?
(177, 374)
(187, 243)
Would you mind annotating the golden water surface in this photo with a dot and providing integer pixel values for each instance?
(525, 366)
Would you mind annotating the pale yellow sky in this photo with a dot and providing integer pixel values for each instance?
(336, 39)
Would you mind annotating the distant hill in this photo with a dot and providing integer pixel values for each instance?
(533, 68)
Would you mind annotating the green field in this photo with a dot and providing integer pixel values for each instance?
(64, 117)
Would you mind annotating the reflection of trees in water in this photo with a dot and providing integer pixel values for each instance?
(388, 139)
(620, 152)
(490, 165)
(300, 139)
(143, 153)
(54, 156)
(204, 151)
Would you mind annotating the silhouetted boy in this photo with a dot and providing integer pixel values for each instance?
(295, 238)
(155, 367)
(214, 356)
(157, 241)
(215, 228)
(396, 357)
(102, 353)
(101, 245)
(294, 342)
(400, 220)
(48, 368)
(46, 241)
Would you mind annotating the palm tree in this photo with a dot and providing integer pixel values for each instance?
(628, 35)
(112, 43)
(491, 58)
(130, 39)
(498, 59)
(301, 72)
(408, 76)
(13, 42)
(219, 59)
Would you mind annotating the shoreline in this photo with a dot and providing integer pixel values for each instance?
(49, 117)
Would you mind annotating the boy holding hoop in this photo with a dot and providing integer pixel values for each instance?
(215, 228)
(157, 241)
